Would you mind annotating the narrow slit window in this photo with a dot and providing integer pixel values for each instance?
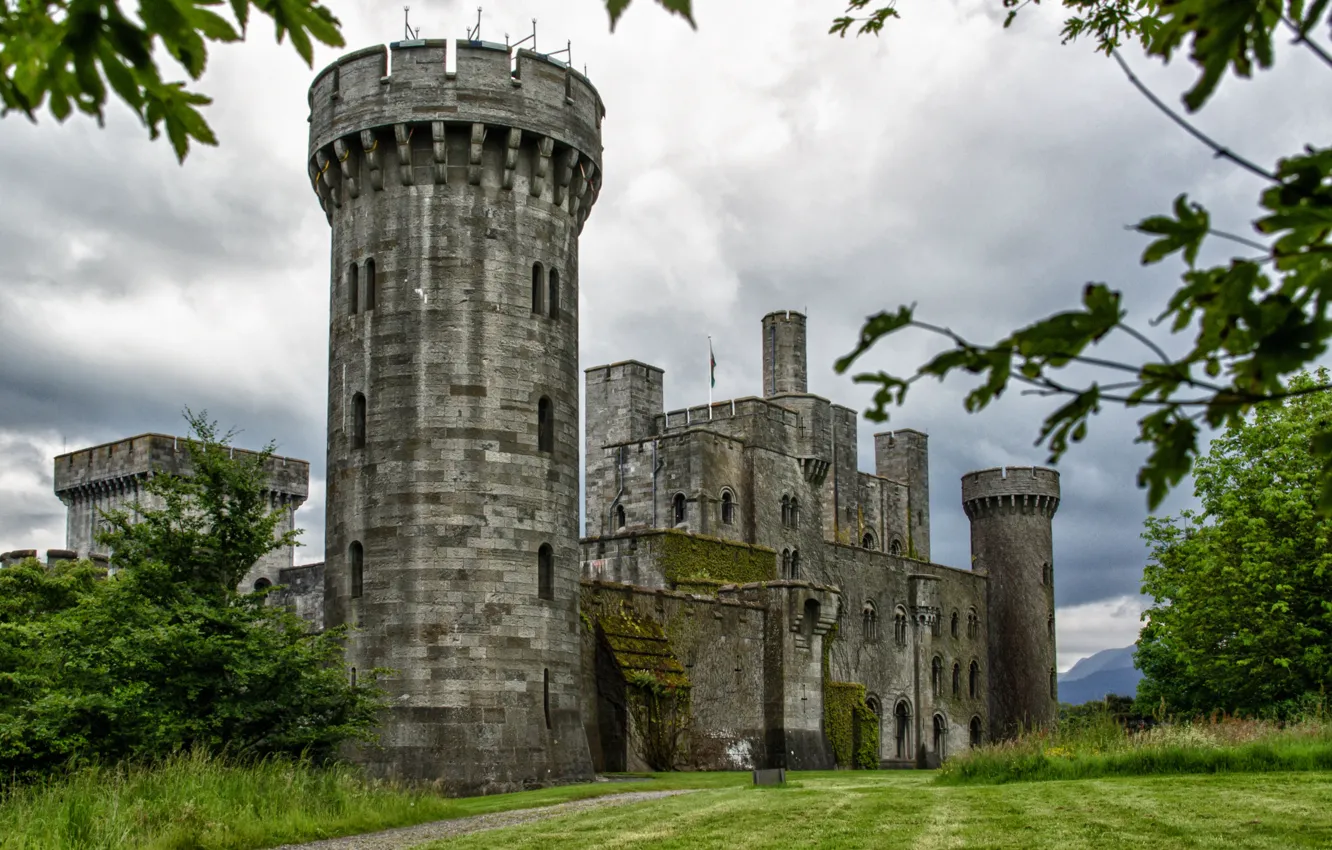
(370, 294)
(545, 426)
(545, 694)
(619, 516)
(353, 290)
(358, 421)
(936, 676)
(786, 563)
(973, 680)
(356, 565)
(538, 286)
(679, 508)
(728, 508)
(546, 572)
(553, 301)
(795, 563)
(957, 679)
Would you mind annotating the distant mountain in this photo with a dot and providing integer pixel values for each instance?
(1109, 671)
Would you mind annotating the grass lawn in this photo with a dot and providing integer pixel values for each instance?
(907, 809)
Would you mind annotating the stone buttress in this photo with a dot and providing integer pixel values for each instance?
(455, 201)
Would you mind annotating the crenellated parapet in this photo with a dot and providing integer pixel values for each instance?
(382, 118)
(1026, 490)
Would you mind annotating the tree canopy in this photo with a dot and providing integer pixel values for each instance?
(1242, 589)
(165, 654)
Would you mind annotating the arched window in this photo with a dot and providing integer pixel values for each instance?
(369, 284)
(869, 623)
(902, 718)
(973, 624)
(795, 512)
(973, 680)
(545, 426)
(895, 548)
(619, 516)
(678, 508)
(1054, 684)
(538, 288)
(811, 618)
(546, 572)
(940, 737)
(900, 626)
(795, 563)
(953, 627)
(356, 565)
(936, 676)
(786, 563)
(867, 541)
(262, 584)
(786, 510)
(553, 302)
(728, 508)
(353, 290)
(358, 421)
(936, 625)
(975, 731)
(957, 679)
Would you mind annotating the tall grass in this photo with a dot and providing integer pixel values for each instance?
(1100, 746)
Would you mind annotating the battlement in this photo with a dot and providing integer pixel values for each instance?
(136, 457)
(702, 414)
(624, 369)
(1020, 487)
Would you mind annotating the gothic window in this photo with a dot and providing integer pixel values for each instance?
(940, 737)
(973, 624)
(902, 716)
(936, 626)
(728, 508)
(975, 731)
(867, 541)
(795, 512)
(358, 421)
(545, 426)
(553, 302)
(619, 516)
(936, 676)
(356, 562)
(353, 290)
(538, 285)
(900, 626)
(957, 679)
(786, 563)
(795, 563)
(678, 508)
(953, 626)
(369, 284)
(546, 572)
(869, 623)
(895, 548)
(262, 584)
(973, 680)
(786, 510)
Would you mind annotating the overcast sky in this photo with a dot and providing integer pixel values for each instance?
(754, 164)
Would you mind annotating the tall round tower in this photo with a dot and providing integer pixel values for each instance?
(1011, 511)
(455, 200)
(784, 369)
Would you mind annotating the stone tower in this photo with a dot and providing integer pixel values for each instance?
(455, 200)
(1011, 511)
(784, 369)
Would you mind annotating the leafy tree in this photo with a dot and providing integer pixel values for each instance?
(1255, 320)
(165, 653)
(1242, 617)
(69, 54)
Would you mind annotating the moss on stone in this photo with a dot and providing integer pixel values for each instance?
(692, 559)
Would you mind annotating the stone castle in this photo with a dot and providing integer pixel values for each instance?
(743, 596)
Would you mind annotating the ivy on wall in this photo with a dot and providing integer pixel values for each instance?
(852, 729)
(696, 560)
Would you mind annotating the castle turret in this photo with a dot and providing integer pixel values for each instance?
(623, 402)
(904, 456)
(784, 369)
(1011, 511)
(456, 200)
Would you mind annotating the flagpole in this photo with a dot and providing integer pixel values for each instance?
(709, 376)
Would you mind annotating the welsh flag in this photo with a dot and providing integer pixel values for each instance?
(712, 364)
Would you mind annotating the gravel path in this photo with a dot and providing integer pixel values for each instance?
(410, 836)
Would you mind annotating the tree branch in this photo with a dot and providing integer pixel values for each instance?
(1220, 151)
(1302, 37)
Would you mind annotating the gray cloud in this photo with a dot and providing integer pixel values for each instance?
(756, 164)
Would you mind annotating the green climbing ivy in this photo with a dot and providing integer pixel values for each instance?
(852, 729)
(696, 560)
